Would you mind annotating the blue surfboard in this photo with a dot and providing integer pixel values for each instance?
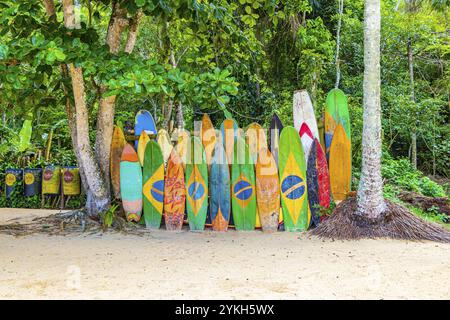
(144, 121)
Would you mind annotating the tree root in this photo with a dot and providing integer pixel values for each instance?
(396, 223)
(71, 222)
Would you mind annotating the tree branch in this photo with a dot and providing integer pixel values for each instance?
(132, 33)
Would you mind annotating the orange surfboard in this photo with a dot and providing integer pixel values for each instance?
(174, 193)
(340, 164)
(117, 144)
(267, 190)
(208, 137)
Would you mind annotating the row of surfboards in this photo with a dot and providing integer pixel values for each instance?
(235, 177)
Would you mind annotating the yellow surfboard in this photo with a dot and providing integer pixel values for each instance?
(143, 140)
(165, 144)
(340, 164)
(208, 138)
(117, 144)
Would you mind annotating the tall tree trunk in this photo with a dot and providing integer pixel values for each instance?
(370, 192)
(338, 43)
(97, 195)
(413, 99)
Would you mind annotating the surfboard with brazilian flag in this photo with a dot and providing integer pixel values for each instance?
(292, 173)
(196, 186)
(153, 185)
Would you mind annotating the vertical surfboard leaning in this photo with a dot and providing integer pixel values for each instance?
(131, 184)
(292, 173)
(165, 144)
(275, 130)
(197, 186)
(229, 131)
(220, 189)
(208, 137)
(268, 191)
(142, 144)
(340, 164)
(153, 185)
(256, 140)
(336, 112)
(117, 144)
(243, 193)
(144, 122)
(174, 193)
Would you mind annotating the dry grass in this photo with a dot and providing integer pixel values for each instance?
(397, 223)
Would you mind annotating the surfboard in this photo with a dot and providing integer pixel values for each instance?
(275, 130)
(267, 191)
(131, 183)
(256, 140)
(313, 185)
(292, 173)
(153, 185)
(174, 193)
(208, 137)
(183, 146)
(303, 112)
(117, 144)
(165, 144)
(229, 131)
(323, 176)
(243, 193)
(340, 164)
(336, 112)
(307, 139)
(197, 186)
(142, 144)
(143, 121)
(219, 189)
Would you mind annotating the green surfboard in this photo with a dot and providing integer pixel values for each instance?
(196, 186)
(292, 172)
(243, 191)
(336, 112)
(153, 185)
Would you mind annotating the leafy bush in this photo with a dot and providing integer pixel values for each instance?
(399, 174)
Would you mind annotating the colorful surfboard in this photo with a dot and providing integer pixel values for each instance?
(323, 176)
(229, 131)
(142, 144)
(303, 111)
(313, 185)
(336, 112)
(243, 192)
(165, 144)
(275, 130)
(307, 139)
(117, 144)
(153, 185)
(219, 190)
(292, 173)
(256, 139)
(340, 164)
(208, 137)
(131, 184)
(183, 145)
(197, 186)
(144, 122)
(174, 193)
(267, 191)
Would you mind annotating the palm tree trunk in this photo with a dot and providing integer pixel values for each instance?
(370, 192)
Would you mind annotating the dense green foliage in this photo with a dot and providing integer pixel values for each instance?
(230, 58)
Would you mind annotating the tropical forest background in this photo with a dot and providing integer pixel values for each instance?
(244, 58)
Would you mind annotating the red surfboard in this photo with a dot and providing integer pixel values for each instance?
(307, 139)
(323, 176)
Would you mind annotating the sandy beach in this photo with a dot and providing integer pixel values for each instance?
(210, 265)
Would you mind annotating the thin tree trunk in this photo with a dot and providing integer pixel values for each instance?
(338, 43)
(413, 99)
(370, 192)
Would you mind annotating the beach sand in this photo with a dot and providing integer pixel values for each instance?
(211, 265)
